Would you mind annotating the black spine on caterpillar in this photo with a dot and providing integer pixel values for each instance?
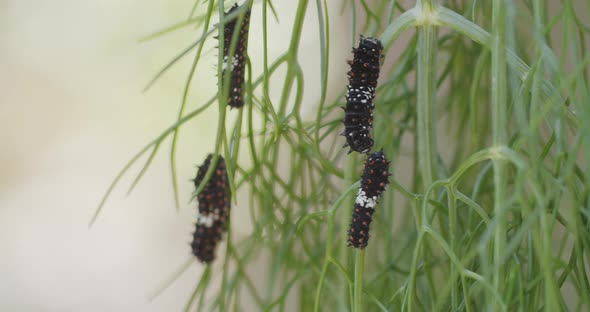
(374, 179)
(214, 209)
(358, 112)
(236, 64)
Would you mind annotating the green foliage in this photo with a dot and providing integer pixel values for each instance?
(495, 218)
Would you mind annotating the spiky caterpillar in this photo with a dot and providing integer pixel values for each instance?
(358, 118)
(214, 208)
(374, 179)
(358, 112)
(236, 64)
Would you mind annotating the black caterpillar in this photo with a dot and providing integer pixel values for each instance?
(358, 112)
(237, 63)
(214, 208)
(374, 179)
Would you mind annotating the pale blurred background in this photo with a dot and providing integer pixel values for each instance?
(72, 113)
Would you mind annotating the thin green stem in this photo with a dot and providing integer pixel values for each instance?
(222, 100)
(410, 295)
(350, 175)
(293, 65)
(293, 72)
(330, 237)
(446, 17)
(359, 267)
(324, 31)
(453, 239)
(399, 25)
(183, 105)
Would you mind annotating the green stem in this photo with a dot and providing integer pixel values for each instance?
(183, 105)
(293, 72)
(427, 35)
(399, 25)
(330, 237)
(499, 136)
(350, 175)
(359, 267)
(446, 17)
(414, 271)
(293, 65)
(452, 240)
(426, 90)
(324, 32)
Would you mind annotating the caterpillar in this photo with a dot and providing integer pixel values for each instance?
(373, 182)
(358, 112)
(235, 65)
(364, 67)
(214, 208)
